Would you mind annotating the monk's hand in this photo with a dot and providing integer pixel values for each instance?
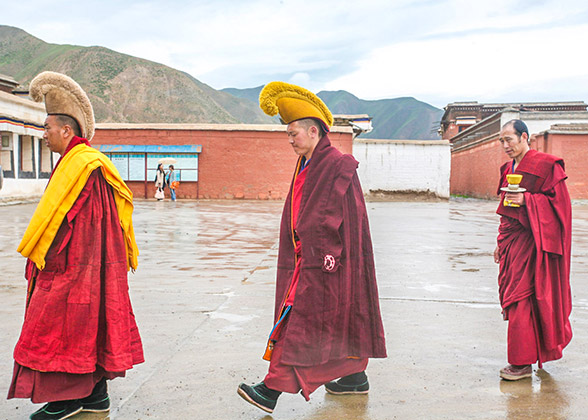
(496, 255)
(515, 198)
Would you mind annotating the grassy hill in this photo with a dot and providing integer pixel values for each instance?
(399, 118)
(123, 88)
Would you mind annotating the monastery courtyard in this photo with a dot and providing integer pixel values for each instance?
(203, 297)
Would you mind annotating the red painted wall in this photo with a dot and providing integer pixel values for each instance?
(234, 164)
(475, 171)
(572, 148)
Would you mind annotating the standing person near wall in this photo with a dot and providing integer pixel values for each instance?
(327, 314)
(533, 251)
(79, 329)
(159, 182)
(173, 182)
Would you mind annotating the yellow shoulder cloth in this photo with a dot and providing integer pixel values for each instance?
(66, 184)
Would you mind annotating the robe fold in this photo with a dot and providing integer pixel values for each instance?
(534, 244)
(336, 312)
(78, 320)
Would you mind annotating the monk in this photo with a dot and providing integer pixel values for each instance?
(533, 251)
(79, 328)
(327, 315)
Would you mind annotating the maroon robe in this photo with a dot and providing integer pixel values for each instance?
(336, 313)
(287, 378)
(535, 246)
(79, 320)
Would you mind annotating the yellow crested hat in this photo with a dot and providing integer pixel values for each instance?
(293, 103)
(64, 96)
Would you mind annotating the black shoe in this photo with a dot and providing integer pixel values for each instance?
(57, 410)
(259, 395)
(352, 384)
(98, 401)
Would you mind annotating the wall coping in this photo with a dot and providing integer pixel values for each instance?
(405, 141)
(206, 127)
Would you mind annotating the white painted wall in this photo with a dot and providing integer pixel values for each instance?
(403, 165)
(27, 112)
(22, 189)
(541, 121)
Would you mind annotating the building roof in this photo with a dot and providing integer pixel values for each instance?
(570, 128)
(481, 111)
(518, 105)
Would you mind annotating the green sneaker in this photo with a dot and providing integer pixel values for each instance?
(349, 385)
(259, 395)
(57, 410)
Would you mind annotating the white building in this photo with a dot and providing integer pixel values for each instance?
(26, 161)
(389, 167)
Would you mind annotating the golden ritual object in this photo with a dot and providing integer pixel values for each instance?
(514, 180)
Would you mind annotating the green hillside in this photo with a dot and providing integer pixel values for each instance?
(123, 88)
(399, 118)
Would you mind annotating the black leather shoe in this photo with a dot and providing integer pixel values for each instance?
(98, 401)
(57, 410)
(259, 395)
(349, 385)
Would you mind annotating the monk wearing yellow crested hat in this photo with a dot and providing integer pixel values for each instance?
(327, 320)
(79, 328)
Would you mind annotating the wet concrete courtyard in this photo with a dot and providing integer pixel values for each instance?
(203, 298)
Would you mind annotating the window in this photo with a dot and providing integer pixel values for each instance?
(45, 160)
(26, 157)
(7, 156)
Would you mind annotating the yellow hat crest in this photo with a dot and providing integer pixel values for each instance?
(293, 103)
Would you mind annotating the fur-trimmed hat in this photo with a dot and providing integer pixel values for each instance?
(64, 96)
(293, 103)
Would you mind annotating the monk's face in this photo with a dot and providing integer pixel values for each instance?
(56, 135)
(302, 139)
(514, 146)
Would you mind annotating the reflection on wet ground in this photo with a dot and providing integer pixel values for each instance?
(203, 297)
(535, 398)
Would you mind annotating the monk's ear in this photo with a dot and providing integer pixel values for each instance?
(525, 137)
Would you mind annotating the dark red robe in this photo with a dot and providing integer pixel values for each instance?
(535, 246)
(79, 319)
(336, 313)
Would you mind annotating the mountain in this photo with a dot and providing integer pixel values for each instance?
(123, 88)
(399, 118)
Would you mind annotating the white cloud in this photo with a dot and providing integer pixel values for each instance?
(436, 50)
(480, 66)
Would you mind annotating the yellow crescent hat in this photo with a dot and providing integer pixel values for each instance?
(64, 96)
(293, 103)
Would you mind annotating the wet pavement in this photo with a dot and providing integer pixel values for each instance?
(203, 298)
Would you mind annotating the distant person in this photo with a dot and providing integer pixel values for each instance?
(79, 329)
(172, 182)
(327, 313)
(159, 182)
(534, 255)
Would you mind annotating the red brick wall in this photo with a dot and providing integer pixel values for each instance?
(475, 171)
(572, 148)
(233, 164)
(451, 130)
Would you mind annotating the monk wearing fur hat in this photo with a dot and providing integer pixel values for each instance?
(327, 320)
(79, 328)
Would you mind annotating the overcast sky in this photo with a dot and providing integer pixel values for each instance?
(438, 51)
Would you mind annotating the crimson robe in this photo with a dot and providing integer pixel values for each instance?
(336, 313)
(79, 318)
(534, 247)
